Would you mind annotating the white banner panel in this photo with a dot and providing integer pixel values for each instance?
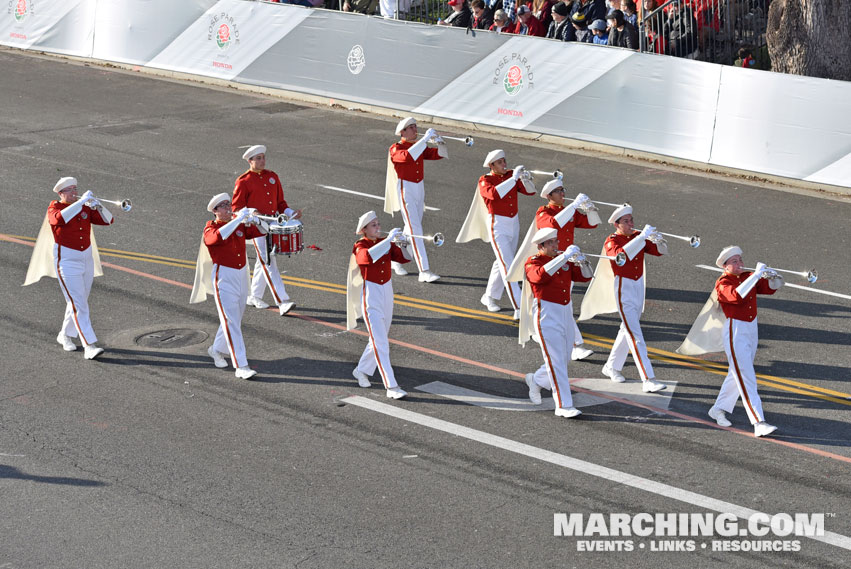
(59, 26)
(134, 31)
(228, 38)
(653, 103)
(521, 80)
(838, 173)
(782, 124)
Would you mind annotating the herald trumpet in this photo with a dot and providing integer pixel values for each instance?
(467, 140)
(280, 219)
(576, 258)
(125, 205)
(770, 273)
(603, 203)
(437, 239)
(656, 236)
(556, 174)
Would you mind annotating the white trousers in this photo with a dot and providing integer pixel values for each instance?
(230, 291)
(377, 303)
(412, 198)
(505, 232)
(554, 326)
(75, 272)
(267, 274)
(629, 296)
(740, 342)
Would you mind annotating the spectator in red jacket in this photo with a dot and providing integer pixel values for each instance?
(501, 23)
(528, 24)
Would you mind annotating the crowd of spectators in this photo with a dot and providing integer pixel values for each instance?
(681, 28)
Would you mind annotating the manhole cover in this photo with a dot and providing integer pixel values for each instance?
(170, 339)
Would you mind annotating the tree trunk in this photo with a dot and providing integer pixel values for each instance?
(810, 37)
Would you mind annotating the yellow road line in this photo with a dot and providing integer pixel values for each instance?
(716, 368)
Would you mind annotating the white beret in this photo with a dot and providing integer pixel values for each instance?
(551, 186)
(405, 123)
(726, 253)
(364, 220)
(620, 212)
(223, 197)
(254, 151)
(64, 183)
(544, 234)
(493, 156)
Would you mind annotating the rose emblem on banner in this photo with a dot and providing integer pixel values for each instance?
(356, 60)
(513, 81)
(223, 36)
(21, 10)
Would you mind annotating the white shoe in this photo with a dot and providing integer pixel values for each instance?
(516, 316)
(285, 307)
(218, 357)
(651, 386)
(428, 277)
(763, 429)
(256, 302)
(490, 303)
(67, 343)
(396, 393)
(534, 389)
(613, 374)
(398, 269)
(245, 372)
(580, 353)
(569, 412)
(92, 351)
(363, 380)
(719, 416)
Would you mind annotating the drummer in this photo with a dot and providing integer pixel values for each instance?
(261, 189)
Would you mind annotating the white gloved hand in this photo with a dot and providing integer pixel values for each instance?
(581, 198)
(94, 203)
(394, 233)
(242, 214)
(648, 229)
(760, 268)
(430, 134)
(570, 251)
(87, 196)
(518, 171)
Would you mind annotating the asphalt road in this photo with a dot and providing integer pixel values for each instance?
(151, 457)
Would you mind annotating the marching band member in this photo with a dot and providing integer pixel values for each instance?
(370, 295)
(549, 278)
(627, 283)
(261, 189)
(221, 270)
(75, 261)
(405, 190)
(563, 218)
(728, 321)
(493, 219)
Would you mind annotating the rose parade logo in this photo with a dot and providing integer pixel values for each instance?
(513, 80)
(356, 60)
(223, 30)
(21, 9)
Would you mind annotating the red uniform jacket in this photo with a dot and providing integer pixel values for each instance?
(545, 217)
(261, 191)
(406, 167)
(228, 252)
(76, 234)
(553, 288)
(505, 206)
(632, 269)
(376, 271)
(732, 304)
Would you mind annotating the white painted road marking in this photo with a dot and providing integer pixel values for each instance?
(809, 288)
(344, 190)
(582, 466)
(630, 391)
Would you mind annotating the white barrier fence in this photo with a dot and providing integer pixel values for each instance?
(775, 124)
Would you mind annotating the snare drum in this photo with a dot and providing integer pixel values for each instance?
(286, 239)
